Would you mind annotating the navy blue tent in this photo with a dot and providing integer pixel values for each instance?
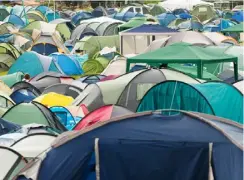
(151, 28)
(152, 145)
(6, 127)
(99, 11)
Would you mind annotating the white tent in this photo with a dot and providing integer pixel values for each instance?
(240, 86)
(33, 145)
(11, 162)
(184, 4)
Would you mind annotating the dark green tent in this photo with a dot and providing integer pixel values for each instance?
(182, 53)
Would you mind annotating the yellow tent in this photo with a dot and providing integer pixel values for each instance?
(54, 99)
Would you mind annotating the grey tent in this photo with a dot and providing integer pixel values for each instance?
(127, 89)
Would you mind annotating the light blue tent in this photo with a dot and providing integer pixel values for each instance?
(43, 9)
(33, 64)
(51, 15)
(69, 64)
(166, 18)
(126, 16)
(216, 98)
(15, 20)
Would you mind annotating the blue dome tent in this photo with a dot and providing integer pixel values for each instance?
(217, 98)
(33, 64)
(150, 145)
(43, 9)
(166, 18)
(76, 19)
(6, 127)
(238, 16)
(15, 20)
(99, 11)
(69, 64)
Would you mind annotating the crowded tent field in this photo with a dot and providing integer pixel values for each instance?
(126, 90)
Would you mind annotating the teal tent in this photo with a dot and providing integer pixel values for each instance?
(33, 64)
(216, 98)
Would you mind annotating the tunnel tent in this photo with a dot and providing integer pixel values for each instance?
(11, 163)
(149, 137)
(183, 53)
(23, 114)
(216, 98)
(129, 88)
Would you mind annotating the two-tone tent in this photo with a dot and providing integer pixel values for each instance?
(35, 15)
(23, 114)
(102, 114)
(33, 64)
(217, 98)
(147, 144)
(15, 20)
(236, 29)
(127, 89)
(7, 127)
(182, 53)
(166, 18)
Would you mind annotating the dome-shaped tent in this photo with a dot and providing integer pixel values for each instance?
(166, 18)
(102, 114)
(7, 127)
(215, 98)
(34, 64)
(157, 9)
(127, 89)
(76, 19)
(23, 114)
(15, 20)
(145, 143)
(204, 12)
(99, 11)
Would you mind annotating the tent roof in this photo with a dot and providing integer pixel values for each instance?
(151, 28)
(236, 28)
(183, 53)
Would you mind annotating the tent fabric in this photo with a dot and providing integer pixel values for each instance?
(16, 20)
(166, 18)
(156, 10)
(22, 95)
(54, 99)
(11, 163)
(204, 12)
(126, 16)
(154, 130)
(102, 114)
(23, 114)
(135, 22)
(99, 11)
(69, 64)
(129, 88)
(151, 28)
(64, 89)
(238, 16)
(4, 13)
(34, 64)
(237, 28)
(184, 53)
(190, 25)
(80, 17)
(239, 86)
(12, 78)
(223, 101)
(6, 127)
(219, 38)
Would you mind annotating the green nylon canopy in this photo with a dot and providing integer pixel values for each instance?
(237, 28)
(183, 53)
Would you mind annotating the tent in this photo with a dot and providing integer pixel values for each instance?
(166, 18)
(54, 99)
(219, 38)
(42, 8)
(174, 24)
(217, 98)
(34, 64)
(218, 25)
(236, 28)
(190, 25)
(64, 89)
(126, 16)
(51, 15)
(24, 92)
(23, 114)
(93, 44)
(147, 144)
(7, 127)
(11, 163)
(136, 40)
(156, 10)
(99, 11)
(6, 28)
(8, 55)
(91, 79)
(182, 53)
(15, 20)
(239, 86)
(4, 88)
(117, 66)
(35, 15)
(204, 12)
(65, 116)
(3, 13)
(183, 4)
(238, 16)
(127, 89)
(5, 103)
(33, 145)
(69, 64)
(80, 16)
(101, 114)
(135, 22)
(11, 79)
(46, 79)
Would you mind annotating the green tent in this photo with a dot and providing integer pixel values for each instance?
(216, 98)
(135, 22)
(157, 9)
(183, 53)
(11, 79)
(28, 113)
(237, 28)
(92, 44)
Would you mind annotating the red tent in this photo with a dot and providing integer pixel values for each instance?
(102, 114)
